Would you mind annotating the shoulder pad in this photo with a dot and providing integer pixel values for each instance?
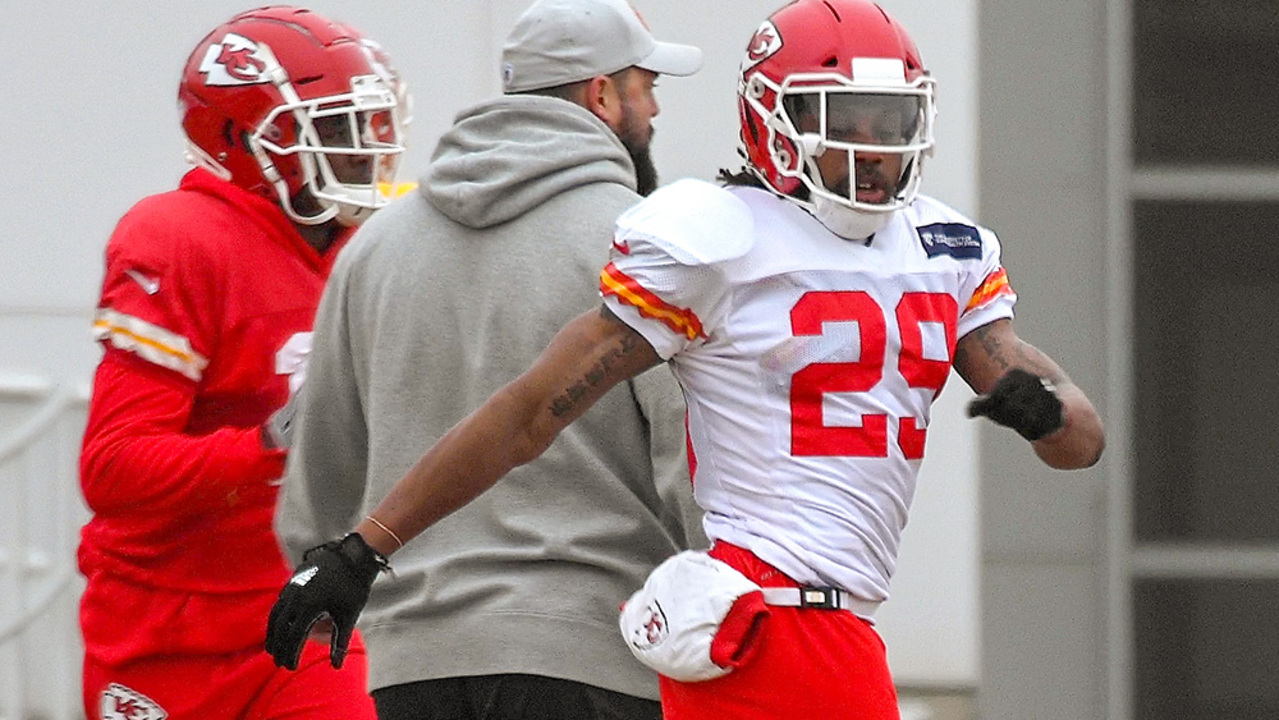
(694, 221)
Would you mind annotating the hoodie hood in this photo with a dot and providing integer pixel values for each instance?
(506, 156)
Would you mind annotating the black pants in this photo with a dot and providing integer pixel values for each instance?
(509, 697)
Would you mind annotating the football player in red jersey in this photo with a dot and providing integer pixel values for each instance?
(812, 308)
(295, 128)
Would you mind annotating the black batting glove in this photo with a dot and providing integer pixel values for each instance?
(332, 581)
(1024, 402)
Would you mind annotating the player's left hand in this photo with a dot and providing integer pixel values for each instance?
(333, 582)
(1024, 402)
(277, 431)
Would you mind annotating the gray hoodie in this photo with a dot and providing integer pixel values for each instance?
(438, 301)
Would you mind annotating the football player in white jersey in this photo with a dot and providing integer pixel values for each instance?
(812, 308)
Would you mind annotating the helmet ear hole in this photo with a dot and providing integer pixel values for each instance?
(273, 132)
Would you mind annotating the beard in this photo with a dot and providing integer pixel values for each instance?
(645, 171)
(637, 146)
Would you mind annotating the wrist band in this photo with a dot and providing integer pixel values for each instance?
(385, 529)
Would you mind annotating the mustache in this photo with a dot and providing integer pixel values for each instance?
(871, 176)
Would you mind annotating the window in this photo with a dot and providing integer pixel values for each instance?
(1203, 209)
(1204, 652)
(1204, 73)
(1206, 309)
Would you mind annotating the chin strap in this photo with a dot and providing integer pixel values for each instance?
(846, 222)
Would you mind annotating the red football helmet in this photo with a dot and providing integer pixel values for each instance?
(302, 110)
(402, 97)
(843, 75)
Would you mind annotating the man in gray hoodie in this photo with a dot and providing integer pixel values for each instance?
(508, 608)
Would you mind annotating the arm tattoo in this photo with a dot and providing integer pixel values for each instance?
(990, 343)
(1019, 354)
(596, 375)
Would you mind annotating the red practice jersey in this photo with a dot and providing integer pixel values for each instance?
(206, 311)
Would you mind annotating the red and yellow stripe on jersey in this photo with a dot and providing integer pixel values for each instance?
(682, 320)
(995, 285)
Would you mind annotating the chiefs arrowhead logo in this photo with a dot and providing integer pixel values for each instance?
(122, 703)
(236, 60)
(240, 63)
(653, 629)
(764, 44)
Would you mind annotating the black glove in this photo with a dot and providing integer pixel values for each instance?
(1024, 402)
(332, 581)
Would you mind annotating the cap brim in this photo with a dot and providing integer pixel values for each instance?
(672, 59)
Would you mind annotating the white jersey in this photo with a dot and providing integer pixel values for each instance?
(809, 362)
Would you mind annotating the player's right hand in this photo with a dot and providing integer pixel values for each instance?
(333, 582)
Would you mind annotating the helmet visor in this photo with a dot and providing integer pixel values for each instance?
(858, 120)
(360, 147)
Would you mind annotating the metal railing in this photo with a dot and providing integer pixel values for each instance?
(40, 515)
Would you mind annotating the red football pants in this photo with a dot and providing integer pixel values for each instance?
(239, 686)
(827, 664)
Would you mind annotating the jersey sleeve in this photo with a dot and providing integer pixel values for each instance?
(137, 458)
(664, 273)
(155, 322)
(990, 295)
(158, 299)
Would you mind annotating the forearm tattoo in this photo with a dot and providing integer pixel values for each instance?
(1008, 356)
(627, 344)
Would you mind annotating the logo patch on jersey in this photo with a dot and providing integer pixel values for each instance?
(122, 703)
(150, 285)
(236, 60)
(957, 240)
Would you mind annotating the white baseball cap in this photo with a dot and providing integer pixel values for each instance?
(556, 42)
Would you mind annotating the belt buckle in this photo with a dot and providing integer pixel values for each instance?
(821, 598)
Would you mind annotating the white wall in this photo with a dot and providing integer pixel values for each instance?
(91, 126)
